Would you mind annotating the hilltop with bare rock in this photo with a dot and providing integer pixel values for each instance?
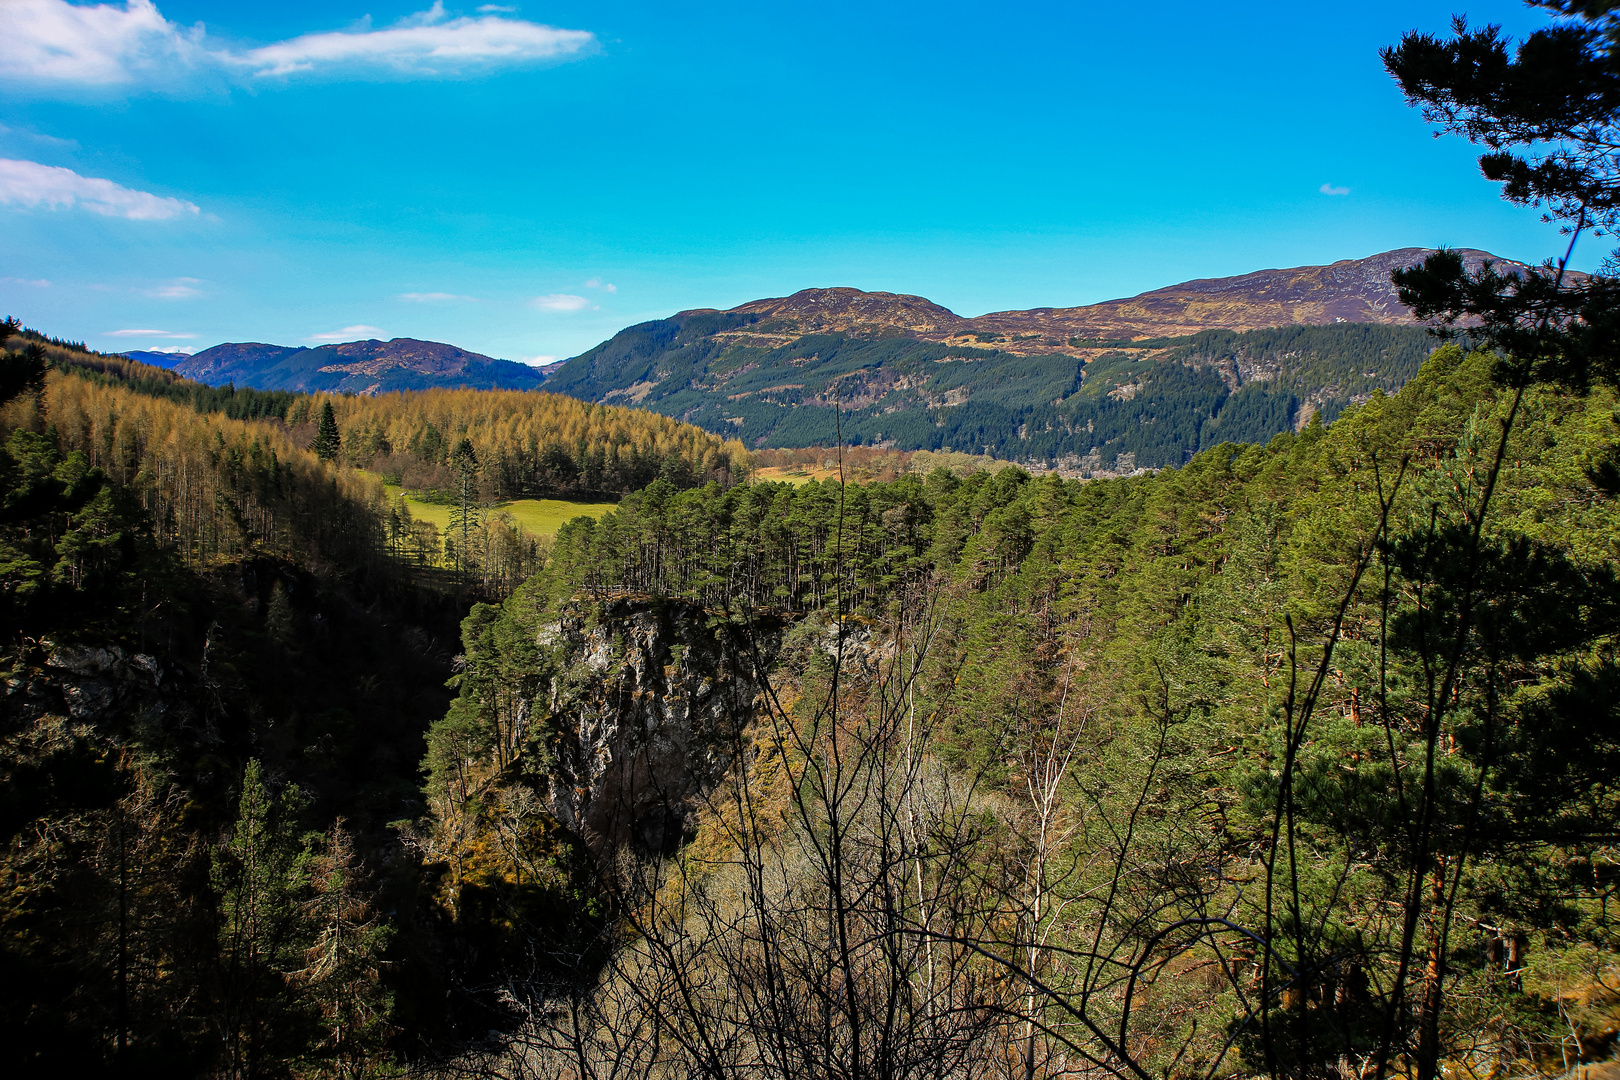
(1122, 384)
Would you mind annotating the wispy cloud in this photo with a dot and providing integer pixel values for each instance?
(492, 9)
(37, 283)
(28, 183)
(348, 333)
(435, 297)
(598, 283)
(1329, 189)
(34, 136)
(55, 42)
(559, 302)
(184, 288)
(424, 48)
(147, 334)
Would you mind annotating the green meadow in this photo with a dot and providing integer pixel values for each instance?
(542, 517)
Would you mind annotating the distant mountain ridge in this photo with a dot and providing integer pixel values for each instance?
(1350, 290)
(156, 359)
(359, 367)
(1135, 382)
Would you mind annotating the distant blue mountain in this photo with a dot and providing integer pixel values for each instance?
(156, 359)
(359, 367)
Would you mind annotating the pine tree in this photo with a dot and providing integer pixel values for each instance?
(259, 876)
(1546, 118)
(467, 515)
(343, 973)
(327, 440)
(279, 620)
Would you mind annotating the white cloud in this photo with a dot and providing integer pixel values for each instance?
(423, 48)
(492, 9)
(183, 288)
(1329, 189)
(53, 41)
(173, 350)
(38, 283)
(597, 283)
(147, 334)
(559, 302)
(348, 333)
(100, 44)
(28, 183)
(537, 361)
(434, 297)
(434, 14)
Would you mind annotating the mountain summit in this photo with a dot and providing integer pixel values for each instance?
(1350, 290)
(851, 311)
(1140, 381)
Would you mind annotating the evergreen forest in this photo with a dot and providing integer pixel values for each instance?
(1293, 757)
(1102, 407)
(942, 773)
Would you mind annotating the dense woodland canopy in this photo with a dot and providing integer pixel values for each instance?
(1157, 634)
(1114, 406)
(219, 854)
(223, 652)
(526, 443)
(1297, 760)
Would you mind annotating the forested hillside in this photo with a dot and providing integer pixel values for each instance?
(1275, 737)
(195, 608)
(222, 649)
(1288, 760)
(521, 443)
(1099, 406)
(995, 748)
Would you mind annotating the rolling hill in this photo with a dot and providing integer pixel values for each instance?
(360, 367)
(1350, 290)
(1137, 382)
(1123, 384)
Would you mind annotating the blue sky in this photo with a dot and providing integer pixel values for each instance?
(526, 179)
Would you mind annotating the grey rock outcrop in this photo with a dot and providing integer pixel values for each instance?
(88, 682)
(647, 714)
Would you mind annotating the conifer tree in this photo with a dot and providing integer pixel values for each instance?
(342, 973)
(279, 619)
(327, 440)
(1546, 117)
(259, 876)
(466, 516)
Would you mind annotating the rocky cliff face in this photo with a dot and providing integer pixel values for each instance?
(89, 683)
(647, 715)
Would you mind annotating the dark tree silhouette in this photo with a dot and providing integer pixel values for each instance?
(327, 440)
(1545, 116)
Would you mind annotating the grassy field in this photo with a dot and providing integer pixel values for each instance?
(795, 475)
(542, 517)
(865, 469)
